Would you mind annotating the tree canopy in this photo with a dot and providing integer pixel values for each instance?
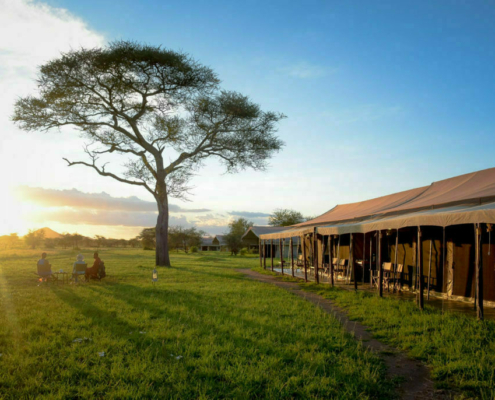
(285, 217)
(161, 109)
(233, 238)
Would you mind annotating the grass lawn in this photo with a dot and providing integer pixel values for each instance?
(204, 331)
(459, 349)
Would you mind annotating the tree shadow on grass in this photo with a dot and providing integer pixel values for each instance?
(209, 272)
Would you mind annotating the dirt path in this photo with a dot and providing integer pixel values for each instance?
(416, 385)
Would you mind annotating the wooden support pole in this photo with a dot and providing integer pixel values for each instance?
(396, 259)
(315, 255)
(330, 258)
(479, 274)
(380, 266)
(264, 254)
(291, 249)
(281, 254)
(444, 263)
(419, 264)
(271, 251)
(261, 259)
(351, 256)
(371, 256)
(304, 259)
(429, 272)
(364, 255)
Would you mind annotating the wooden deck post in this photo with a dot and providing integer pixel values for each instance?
(364, 255)
(429, 272)
(371, 256)
(330, 257)
(271, 251)
(281, 254)
(351, 261)
(315, 255)
(264, 254)
(304, 259)
(380, 266)
(479, 274)
(291, 249)
(419, 263)
(396, 258)
(261, 260)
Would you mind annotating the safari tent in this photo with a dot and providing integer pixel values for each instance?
(434, 239)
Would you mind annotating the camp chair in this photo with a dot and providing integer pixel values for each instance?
(341, 267)
(398, 277)
(44, 272)
(80, 271)
(387, 273)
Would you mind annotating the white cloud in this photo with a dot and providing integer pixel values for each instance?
(305, 70)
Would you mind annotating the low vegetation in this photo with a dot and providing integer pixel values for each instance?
(459, 349)
(202, 331)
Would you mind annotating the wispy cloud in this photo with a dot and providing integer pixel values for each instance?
(95, 201)
(305, 70)
(248, 214)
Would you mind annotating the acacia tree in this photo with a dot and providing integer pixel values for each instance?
(160, 108)
(285, 217)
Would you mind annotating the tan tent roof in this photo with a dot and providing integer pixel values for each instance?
(472, 187)
(264, 230)
(287, 233)
(455, 215)
(365, 208)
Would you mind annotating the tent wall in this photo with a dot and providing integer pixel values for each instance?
(488, 262)
(406, 254)
(462, 237)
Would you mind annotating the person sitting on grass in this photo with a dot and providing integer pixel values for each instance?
(93, 271)
(44, 267)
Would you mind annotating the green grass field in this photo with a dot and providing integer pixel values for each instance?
(204, 331)
(459, 349)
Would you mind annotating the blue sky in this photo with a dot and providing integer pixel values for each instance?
(381, 96)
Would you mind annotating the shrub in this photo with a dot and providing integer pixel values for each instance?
(194, 249)
(244, 251)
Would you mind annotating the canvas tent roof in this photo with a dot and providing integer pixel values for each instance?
(343, 212)
(460, 192)
(264, 230)
(221, 239)
(455, 215)
(462, 189)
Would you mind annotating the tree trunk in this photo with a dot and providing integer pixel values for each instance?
(162, 255)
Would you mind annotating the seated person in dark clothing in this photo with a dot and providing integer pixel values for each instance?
(44, 267)
(92, 272)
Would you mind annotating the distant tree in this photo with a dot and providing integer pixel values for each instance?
(51, 243)
(237, 228)
(76, 240)
(285, 217)
(184, 238)
(101, 241)
(34, 238)
(66, 240)
(150, 104)
(134, 242)
(13, 240)
(309, 218)
(148, 238)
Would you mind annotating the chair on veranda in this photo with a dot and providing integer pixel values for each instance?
(387, 273)
(397, 284)
(79, 272)
(341, 268)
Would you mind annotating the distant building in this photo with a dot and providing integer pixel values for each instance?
(216, 243)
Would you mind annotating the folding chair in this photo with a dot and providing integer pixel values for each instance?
(398, 277)
(80, 271)
(387, 270)
(44, 272)
(341, 268)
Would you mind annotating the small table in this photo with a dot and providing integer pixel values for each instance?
(64, 275)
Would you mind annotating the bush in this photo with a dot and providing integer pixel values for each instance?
(244, 251)
(194, 249)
